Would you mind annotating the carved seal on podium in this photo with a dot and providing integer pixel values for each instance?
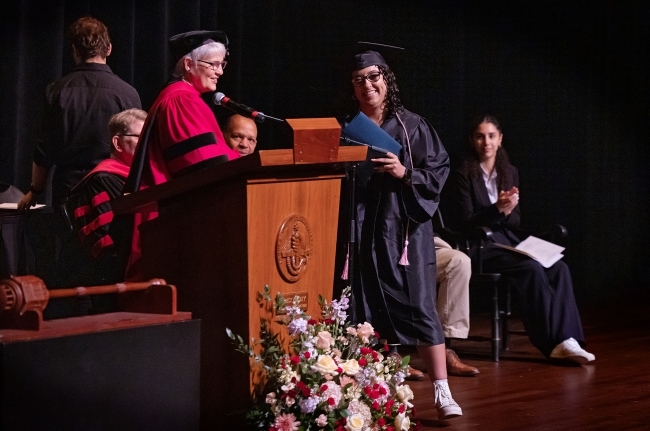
(294, 246)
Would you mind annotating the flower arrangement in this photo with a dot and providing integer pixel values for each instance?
(332, 377)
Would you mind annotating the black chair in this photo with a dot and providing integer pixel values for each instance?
(501, 313)
(461, 241)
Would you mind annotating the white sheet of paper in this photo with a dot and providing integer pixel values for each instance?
(543, 251)
(546, 253)
(14, 206)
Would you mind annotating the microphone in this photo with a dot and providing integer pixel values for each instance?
(241, 109)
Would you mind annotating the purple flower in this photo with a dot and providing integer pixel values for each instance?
(297, 326)
(308, 405)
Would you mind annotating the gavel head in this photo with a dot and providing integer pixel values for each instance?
(21, 293)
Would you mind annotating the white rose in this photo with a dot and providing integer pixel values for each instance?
(350, 367)
(404, 394)
(325, 365)
(324, 340)
(402, 422)
(354, 423)
(365, 331)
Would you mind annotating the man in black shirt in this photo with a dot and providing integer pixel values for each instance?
(72, 136)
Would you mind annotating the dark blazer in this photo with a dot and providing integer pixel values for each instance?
(465, 204)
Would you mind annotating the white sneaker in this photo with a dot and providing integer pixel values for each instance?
(570, 350)
(447, 407)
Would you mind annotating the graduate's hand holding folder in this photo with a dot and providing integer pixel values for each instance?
(362, 131)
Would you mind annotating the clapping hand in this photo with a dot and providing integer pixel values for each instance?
(508, 200)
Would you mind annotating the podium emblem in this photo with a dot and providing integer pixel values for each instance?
(293, 247)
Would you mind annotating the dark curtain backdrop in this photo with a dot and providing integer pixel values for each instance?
(567, 79)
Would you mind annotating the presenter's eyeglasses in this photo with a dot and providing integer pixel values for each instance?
(358, 81)
(129, 134)
(215, 65)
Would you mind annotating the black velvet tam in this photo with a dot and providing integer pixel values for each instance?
(184, 43)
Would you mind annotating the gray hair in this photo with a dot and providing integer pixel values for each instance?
(119, 123)
(205, 50)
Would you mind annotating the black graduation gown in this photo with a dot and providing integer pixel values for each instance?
(399, 301)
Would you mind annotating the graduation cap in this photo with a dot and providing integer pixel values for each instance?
(184, 43)
(365, 54)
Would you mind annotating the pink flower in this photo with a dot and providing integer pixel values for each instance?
(324, 340)
(286, 422)
(365, 331)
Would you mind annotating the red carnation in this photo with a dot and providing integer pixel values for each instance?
(323, 388)
(331, 401)
(375, 405)
(307, 355)
(363, 362)
(381, 422)
(401, 409)
(295, 359)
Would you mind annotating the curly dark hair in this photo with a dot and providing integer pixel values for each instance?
(90, 37)
(392, 104)
(471, 163)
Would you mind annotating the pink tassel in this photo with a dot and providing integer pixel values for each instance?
(344, 276)
(404, 260)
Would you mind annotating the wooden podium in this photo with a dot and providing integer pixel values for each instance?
(224, 232)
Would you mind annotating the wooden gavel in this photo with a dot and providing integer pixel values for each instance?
(19, 294)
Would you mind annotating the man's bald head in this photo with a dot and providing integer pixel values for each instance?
(241, 134)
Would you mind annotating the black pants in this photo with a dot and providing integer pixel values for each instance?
(549, 310)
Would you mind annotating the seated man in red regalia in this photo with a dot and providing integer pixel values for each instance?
(89, 205)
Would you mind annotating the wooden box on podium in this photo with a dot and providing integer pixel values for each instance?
(225, 232)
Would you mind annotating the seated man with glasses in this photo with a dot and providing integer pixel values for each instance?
(89, 206)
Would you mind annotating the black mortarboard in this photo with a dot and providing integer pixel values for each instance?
(184, 43)
(365, 54)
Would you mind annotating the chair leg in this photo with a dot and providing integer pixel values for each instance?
(505, 325)
(495, 324)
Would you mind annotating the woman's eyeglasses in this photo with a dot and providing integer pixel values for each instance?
(358, 81)
(215, 65)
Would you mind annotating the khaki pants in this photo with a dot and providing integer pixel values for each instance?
(453, 270)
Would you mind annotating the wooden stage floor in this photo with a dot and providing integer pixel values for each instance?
(525, 392)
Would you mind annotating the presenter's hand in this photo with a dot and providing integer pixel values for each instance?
(28, 201)
(390, 164)
(508, 200)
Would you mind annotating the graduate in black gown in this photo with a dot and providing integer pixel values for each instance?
(485, 192)
(397, 194)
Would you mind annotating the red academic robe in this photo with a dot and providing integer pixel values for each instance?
(92, 213)
(184, 136)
